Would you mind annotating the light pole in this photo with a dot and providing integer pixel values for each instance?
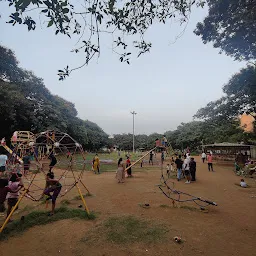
(133, 114)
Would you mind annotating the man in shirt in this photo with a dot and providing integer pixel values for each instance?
(209, 159)
(203, 157)
(3, 162)
(187, 170)
(179, 163)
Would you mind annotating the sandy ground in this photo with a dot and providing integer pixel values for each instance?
(228, 229)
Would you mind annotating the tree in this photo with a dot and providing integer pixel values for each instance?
(240, 97)
(89, 20)
(231, 26)
(97, 138)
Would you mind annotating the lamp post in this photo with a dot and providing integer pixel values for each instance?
(133, 114)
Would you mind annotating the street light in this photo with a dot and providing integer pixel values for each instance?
(133, 114)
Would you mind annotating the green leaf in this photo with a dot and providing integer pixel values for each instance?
(50, 23)
(65, 10)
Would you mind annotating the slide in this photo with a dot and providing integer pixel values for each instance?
(140, 158)
(10, 151)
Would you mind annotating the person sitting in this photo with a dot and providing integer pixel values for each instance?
(243, 184)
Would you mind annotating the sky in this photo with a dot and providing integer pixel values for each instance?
(165, 87)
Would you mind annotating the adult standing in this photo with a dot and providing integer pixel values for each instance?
(129, 170)
(179, 163)
(96, 164)
(120, 171)
(192, 168)
(203, 157)
(3, 162)
(151, 157)
(209, 160)
(186, 169)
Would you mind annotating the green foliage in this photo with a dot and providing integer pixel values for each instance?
(97, 138)
(26, 104)
(37, 218)
(231, 26)
(240, 97)
(121, 19)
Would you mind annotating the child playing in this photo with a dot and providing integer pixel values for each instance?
(53, 161)
(52, 185)
(15, 184)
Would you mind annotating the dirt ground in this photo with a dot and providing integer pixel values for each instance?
(228, 229)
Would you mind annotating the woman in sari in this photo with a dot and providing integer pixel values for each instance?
(120, 174)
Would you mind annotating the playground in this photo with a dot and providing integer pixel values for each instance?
(120, 212)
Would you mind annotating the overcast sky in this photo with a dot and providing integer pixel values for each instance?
(165, 87)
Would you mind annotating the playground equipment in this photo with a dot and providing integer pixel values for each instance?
(179, 196)
(140, 159)
(11, 152)
(68, 170)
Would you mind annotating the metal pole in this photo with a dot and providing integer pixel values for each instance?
(133, 113)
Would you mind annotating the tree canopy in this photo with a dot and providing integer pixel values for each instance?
(26, 104)
(240, 97)
(231, 27)
(125, 21)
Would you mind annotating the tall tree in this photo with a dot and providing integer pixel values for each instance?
(240, 97)
(90, 19)
(231, 27)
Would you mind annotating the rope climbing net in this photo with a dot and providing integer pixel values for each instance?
(68, 167)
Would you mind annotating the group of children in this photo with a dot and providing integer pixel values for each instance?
(10, 187)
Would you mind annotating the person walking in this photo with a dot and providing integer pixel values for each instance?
(179, 163)
(192, 168)
(209, 160)
(203, 157)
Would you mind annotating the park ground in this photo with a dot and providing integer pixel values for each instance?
(226, 229)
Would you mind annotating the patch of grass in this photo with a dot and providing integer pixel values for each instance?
(37, 218)
(79, 198)
(164, 206)
(191, 208)
(128, 229)
(65, 202)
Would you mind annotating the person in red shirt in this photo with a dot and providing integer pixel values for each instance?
(128, 163)
(209, 160)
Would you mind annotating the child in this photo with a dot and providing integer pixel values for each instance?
(52, 185)
(168, 170)
(243, 184)
(53, 161)
(15, 184)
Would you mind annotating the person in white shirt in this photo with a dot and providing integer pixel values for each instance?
(203, 157)
(186, 169)
(243, 184)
